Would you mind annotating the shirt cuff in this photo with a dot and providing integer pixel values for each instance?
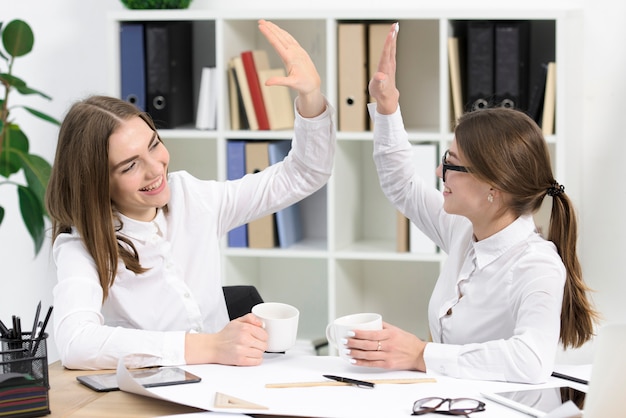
(173, 349)
(442, 359)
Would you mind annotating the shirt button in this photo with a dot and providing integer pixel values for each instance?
(186, 294)
(449, 312)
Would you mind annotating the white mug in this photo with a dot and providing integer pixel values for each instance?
(338, 329)
(280, 320)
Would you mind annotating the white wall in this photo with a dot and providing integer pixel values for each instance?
(69, 62)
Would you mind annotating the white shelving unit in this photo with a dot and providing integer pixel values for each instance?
(348, 262)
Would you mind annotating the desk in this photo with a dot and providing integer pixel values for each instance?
(69, 398)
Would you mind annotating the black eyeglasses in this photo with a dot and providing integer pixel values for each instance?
(445, 166)
(458, 406)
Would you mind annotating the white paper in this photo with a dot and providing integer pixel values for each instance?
(248, 383)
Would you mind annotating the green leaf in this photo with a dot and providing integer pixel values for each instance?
(12, 80)
(37, 173)
(14, 144)
(32, 215)
(1, 214)
(18, 38)
(41, 115)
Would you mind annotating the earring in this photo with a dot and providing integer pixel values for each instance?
(490, 198)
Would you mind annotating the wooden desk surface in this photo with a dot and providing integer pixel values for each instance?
(69, 398)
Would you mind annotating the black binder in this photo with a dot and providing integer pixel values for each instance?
(511, 64)
(480, 65)
(169, 73)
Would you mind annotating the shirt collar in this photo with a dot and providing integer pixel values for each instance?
(141, 230)
(489, 249)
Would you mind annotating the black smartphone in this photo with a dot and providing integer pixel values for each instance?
(538, 402)
(149, 377)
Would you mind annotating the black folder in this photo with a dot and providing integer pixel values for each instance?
(169, 73)
(511, 64)
(480, 65)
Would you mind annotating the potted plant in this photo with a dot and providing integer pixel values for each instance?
(17, 41)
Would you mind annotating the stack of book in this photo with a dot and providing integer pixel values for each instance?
(284, 228)
(253, 104)
(22, 395)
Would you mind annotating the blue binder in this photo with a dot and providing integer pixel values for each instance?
(288, 220)
(235, 169)
(132, 64)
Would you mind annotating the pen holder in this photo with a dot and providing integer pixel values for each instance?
(24, 377)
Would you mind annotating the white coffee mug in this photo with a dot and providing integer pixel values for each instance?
(338, 329)
(280, 320)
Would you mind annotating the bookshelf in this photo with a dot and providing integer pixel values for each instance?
(348, 261)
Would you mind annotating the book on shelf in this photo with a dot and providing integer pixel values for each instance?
(132, 64)
(288, 220)
(244, 90)
(235, 169)
(169, 90)
(549, 102)
(260, 231)
(277, 99)
(206, 115)
(237, 115)
(537, 92)
(253, 62)
(456, 86)
(402, 232)
(352, 76)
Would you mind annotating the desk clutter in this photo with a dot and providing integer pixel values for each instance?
(24, 380)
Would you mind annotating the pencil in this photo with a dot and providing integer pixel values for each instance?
(333, 383)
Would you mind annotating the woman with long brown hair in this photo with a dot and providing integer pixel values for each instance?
(137, 248)
(505, 295)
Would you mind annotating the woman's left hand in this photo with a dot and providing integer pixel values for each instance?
(389, 348)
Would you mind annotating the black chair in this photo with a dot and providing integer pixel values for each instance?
(240, 299)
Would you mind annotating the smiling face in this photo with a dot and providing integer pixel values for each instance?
(463, 193)
(138, 163)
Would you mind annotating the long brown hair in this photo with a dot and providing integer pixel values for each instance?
(78, 191)
(506, 148)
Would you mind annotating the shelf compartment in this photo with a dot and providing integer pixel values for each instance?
(301, 282)
(398, 290)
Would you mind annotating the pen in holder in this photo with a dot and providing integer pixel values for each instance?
(27, 356)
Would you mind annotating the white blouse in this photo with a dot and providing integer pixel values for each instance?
(494, 313)
(146, 316)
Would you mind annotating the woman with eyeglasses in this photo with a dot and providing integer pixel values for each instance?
(505, 296)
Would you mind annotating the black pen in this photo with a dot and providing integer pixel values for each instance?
(33, 352)
(33, 331)
(359, 383)
(570, 378)
(4, 331)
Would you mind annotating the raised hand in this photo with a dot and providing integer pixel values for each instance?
(302, 75)
(382, 86)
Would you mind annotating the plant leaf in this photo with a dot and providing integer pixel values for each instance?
(37, 173)
(14, 143)
(1, 214)
(32, 215)
(12, 80)
(18, 38)
(41, 115)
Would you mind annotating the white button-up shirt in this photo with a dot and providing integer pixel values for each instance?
(494, 313)
(146, 316)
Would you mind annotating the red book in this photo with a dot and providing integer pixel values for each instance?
(252, 62)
